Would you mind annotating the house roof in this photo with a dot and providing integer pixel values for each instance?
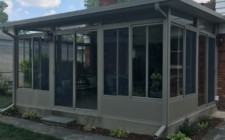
(186, 6)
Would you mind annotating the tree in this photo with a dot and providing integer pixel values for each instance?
(3, 14)
(91, 3)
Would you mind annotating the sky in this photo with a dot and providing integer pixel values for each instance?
(25, 9)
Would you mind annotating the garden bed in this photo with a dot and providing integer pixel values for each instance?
(213, 122)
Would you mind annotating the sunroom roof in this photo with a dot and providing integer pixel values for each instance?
(185, 6)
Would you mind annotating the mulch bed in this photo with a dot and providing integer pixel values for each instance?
(213, 123)
(74, 126)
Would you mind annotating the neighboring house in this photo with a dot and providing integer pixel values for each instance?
(138, 66)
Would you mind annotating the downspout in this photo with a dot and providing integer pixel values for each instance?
(163, 126)
(14, 87)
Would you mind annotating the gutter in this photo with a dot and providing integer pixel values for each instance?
(163, 127)
(14, 87)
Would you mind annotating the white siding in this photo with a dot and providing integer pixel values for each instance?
(220, 6)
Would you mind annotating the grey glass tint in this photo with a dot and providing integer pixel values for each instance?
(155, 55)
(86, 70)
(25, 64)
(116, 61)
(211, 70)
(63, 72)
(139, 61)
(41, 64)
(190, 62)
(202, 69)
(176, 61)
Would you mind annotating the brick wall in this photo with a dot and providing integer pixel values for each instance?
(106, 2)
(221, 74)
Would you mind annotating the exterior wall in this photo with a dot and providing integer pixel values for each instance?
(221, 74)
(220, 6)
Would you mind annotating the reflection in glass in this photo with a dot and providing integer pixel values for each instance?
(41, 64)
(155, 53)
(211, 70)
(116, 62)
(153, 36)
(176, 62)
(202, 70)
(139, 61)
(86, 70)
(63, 71)
(25, 64)
(190, 62)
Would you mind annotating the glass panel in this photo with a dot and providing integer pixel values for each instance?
(155, 53)
(110, 62)
(25, 64)
(190, 62)
(123, 62)
(41, 64)
(211, 70)
(116, 61)
(63, 72)
(176, 71)
(139, 61)
(206, 26)
(202, 69)
(86, 70)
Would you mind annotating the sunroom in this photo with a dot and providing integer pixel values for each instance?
(137, 66)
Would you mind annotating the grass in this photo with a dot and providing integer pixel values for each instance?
(9, 132)
(5, 101)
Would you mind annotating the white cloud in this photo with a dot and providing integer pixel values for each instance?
(40, 3)
(51, 12)
(201, 1)
(9, 9)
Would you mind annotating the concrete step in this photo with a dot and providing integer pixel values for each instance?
(57, 120)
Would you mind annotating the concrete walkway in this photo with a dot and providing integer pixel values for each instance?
(217, 133)
(59, 132)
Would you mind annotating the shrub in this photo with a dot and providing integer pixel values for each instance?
(89, 128)
(11, 112)
(29, 115)
(202, 126)
(203, 123)
(188, 128)
(178, 136)
(119, 133)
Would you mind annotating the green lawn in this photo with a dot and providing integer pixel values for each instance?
(5, 101)
(8, 132)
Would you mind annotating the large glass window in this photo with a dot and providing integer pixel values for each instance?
(41, 64)
(176, 62)
(202, 70)
(190, 62)
(25, 64)
(64, 71)
(116, 62)
(86, 70)
(211, 70)
(147, 61)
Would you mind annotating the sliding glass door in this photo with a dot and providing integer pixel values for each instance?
(64, 70)
(86, 70)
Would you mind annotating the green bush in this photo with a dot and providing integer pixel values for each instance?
(203, 123)
(29, 115)
(202, 126)
(119, 133)
(89, 128)
(178, 136)
(188, 128)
